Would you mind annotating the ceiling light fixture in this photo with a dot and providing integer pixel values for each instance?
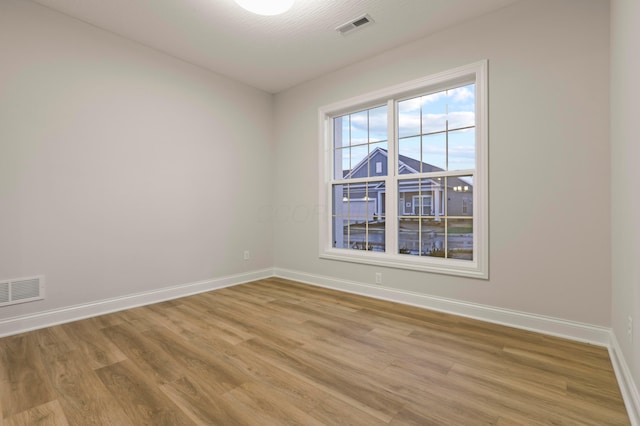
(266, 7)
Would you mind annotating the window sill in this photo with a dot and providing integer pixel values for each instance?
(461, 268)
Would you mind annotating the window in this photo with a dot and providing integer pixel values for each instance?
(404, 175)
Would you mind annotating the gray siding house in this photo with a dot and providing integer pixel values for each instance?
(430, 224)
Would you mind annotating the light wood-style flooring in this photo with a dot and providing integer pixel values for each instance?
(276, 352)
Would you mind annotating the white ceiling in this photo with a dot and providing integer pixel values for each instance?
(272, 53)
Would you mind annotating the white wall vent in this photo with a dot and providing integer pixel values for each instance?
(21, 290)
(354, 24)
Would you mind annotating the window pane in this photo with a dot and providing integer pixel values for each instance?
(460, 239)
(409, 118)
(434, 112)
(431, 197)
(357, 233)
(340, 232)
(349, 233)
(434, 152)
(376, 237)
(432, 236)
(358, 218)
(340, 200)
(374, 199)
(409, 155)
(382, 211)
(421, 197)
(408, 236)
(407, 189)
(358, 138)
(378, 124)
(358, 201)
(460, 196)
(341, 163)
(462, 149)
(357, 192)
(346, 131)
(462, 107)
(341, 131)
(359, 128)
(350, 200)
(358, 161)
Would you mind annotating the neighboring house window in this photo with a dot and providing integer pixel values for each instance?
(466, 203)
(422, 205)
(405, 175)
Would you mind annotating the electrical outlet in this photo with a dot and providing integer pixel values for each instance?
(247, 255)
(630, 328)
(378, 277)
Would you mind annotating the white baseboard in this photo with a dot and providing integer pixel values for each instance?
(542, 324)
(553, 326)
(628, 387)
(43, 319)
(581, 332)
(547, 325)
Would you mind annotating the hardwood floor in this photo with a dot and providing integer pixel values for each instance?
(280, 352)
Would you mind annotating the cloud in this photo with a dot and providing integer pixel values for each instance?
(410, 105)
(431, 149)
(461, 94)
(437, 122)
(457, 95)
(459, 119)
(434, 123)
(365, 126)
(462, 152)
(434, 97)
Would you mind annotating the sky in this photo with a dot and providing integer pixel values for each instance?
(422, 130)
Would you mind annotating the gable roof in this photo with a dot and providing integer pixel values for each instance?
(364, 162)
(404, 162)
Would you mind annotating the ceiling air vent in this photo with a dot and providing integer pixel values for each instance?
(21, 290)
(354, 24)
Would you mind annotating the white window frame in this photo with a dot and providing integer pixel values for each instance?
(476, 268)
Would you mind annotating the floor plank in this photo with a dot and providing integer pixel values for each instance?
(49, 414)
(142, 401)
(280, 352)
(24, 383)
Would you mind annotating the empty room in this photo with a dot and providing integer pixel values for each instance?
(319, 212)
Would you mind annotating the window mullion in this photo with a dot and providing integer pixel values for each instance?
(391, 220)
(330, 164)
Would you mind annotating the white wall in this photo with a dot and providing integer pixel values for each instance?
(123, 170)
(549, 158)
(115, 162)
(625, 160)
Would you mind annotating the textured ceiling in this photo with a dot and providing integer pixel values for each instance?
(272, 53)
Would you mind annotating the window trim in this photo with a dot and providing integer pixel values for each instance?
(477, 268)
